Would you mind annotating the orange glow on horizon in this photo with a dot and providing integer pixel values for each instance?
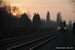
(14, 13)
(53, 6)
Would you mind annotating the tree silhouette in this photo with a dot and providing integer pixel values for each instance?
(74, 27)
(36, 21)
(16, 10)
(7, 19)
(25, 21)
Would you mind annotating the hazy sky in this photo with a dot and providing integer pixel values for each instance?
(42, 6)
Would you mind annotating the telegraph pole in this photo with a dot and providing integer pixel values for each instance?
(64, 36)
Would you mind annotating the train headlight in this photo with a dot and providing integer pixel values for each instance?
(64, 27)
(58, 27)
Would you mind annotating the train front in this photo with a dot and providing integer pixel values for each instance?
(62, 27)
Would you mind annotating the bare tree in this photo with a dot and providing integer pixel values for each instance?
(0, 1)
(73, 2)
(16, 10)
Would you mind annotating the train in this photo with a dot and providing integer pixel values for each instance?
(62, 26)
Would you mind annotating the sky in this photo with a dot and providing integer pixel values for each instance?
(42, 6)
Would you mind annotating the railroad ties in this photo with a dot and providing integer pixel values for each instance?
(30, 42)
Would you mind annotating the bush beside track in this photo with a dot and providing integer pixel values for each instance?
(21, 31)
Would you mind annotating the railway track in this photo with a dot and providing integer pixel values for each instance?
(40, 44)
(34, 43)
(23, 42)
(22, 37)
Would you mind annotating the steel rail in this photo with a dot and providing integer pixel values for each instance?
(30, 42)
(18, 38)
(44, 42)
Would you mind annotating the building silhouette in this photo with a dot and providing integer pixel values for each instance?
(69, 25)
(48, 17)
(59, 18)
(48, 20)
(43, 23)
